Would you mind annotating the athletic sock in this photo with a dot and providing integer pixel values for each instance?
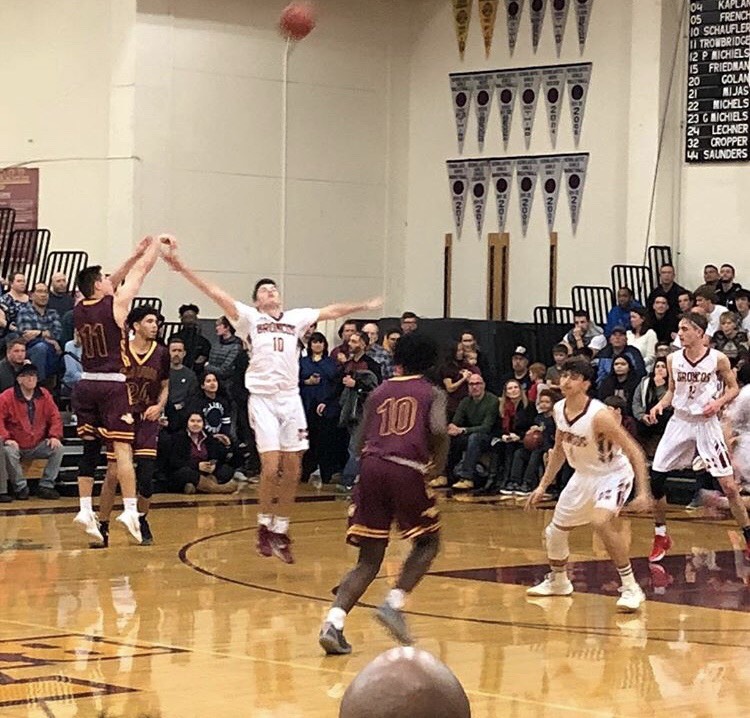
(265, 520)
(280, 525)
(660, 530)
(336, 616)
(130, 505)
(558, 571)
(85, 503)
(627, 577)
(396, 598)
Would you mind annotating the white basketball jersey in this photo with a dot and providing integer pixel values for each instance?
(696, 384)
(589, 453)
(274, 358)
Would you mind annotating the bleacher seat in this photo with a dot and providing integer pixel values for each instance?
(7, 220)
(553, 315)
(26, 252)
(658, 256)
(635, 276)
(597, 301)
(154, 302)
(67, 262)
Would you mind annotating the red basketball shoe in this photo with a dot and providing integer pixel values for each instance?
(662, 544)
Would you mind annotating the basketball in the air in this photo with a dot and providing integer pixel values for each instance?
(297, 20)
(532, 440)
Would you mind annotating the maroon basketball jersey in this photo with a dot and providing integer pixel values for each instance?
(399, 420)
(144, 374)
(101, 338)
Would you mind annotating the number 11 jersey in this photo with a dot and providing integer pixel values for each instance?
(274, 358)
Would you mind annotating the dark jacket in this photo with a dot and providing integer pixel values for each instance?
(606, 357)
(15, 423)
(612, 386)
(7, 375)
(224, 358)
(216, 413)
(180, 454)
(323, 393)
(352, 399)
(196, 345)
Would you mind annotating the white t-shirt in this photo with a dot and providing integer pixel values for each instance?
(274, 359)
(714, 319)
(646, 345)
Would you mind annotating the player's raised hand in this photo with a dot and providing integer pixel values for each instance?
(143, 245)
(173, 260)
(374, 303)
(169, 242)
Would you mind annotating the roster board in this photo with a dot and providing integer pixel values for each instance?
(718, 91)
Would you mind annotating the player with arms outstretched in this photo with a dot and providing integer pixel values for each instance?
(605, 459)
(275, 407)
(701, 383)
(100, 398)
(403, 438)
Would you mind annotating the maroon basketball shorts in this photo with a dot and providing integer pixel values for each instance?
(103, 410)
(388, 492)
(146, 439)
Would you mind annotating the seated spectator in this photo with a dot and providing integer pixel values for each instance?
(559, 355)
(537, 373)
(662, 320)
(618, 346)
(711, 275)
(409, 322)
(516, 417)
(622, 381)
(663, 350)
(667, 288)
(584, 334)
(649, 392)
(642, 337)
(528, 464)
(731, 339)
(340, 353)
(471, 348)
(196, 461)
(40, 328)
(73, 366)
(31, 427)
(685, 302)
(619, 315)
(391, 339)
(182, 385)
(618, 405)
(14, 360)
(10, 302)
(470, 433)
(213, 405)
(60, 298)
(225, 356)
(520, 372)
(727, 288)
(378, 352)
(705, 299)
(455, 375)
(197, 347)
(318, 376)
(742, 303)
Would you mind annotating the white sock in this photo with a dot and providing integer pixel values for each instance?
(660, 530)
(85, 503)
(280, 525)
(336, 616)
(396, 598)
(627, 577)
(265, 520)
(130, 505)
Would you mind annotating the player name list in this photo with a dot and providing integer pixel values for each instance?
(718, 92)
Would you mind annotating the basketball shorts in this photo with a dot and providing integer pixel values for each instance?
(583, 494)
(685, 437)
(145, 441)
(278, 421)
(103, 410)
(388, 492)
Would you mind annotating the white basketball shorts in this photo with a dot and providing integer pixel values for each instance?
(685, 437)
(278, 421)
(583, 494)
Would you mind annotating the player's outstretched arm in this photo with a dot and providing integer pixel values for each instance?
(125, 294)
(336, 311)
(122, 271)
(212, 291)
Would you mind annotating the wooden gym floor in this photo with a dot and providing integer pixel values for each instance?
(198, 625)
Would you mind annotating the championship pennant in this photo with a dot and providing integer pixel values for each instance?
(513, 11)
(574, 167)
(559, 21)
(458, 176)
(484, 89)
(553, 81)
(461, 19)
(550, 169)
(479, 175)
(501, 171)
(538, 9)
(527, 169)
(488, 16)
(462, 87)
(579, 78)
(583, 13)
(507, 88)
(530, 81)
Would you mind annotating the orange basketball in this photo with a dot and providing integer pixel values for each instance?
(532, 440)
(297, 20)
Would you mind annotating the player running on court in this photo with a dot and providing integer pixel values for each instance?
(100, 398)
(701, 383)
(605, 459)
(403, 437)
(276, 412)
(146, 369)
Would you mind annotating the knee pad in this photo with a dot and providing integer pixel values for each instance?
(556, 543)
(144, 477)
(658, 484)
(92, 450)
